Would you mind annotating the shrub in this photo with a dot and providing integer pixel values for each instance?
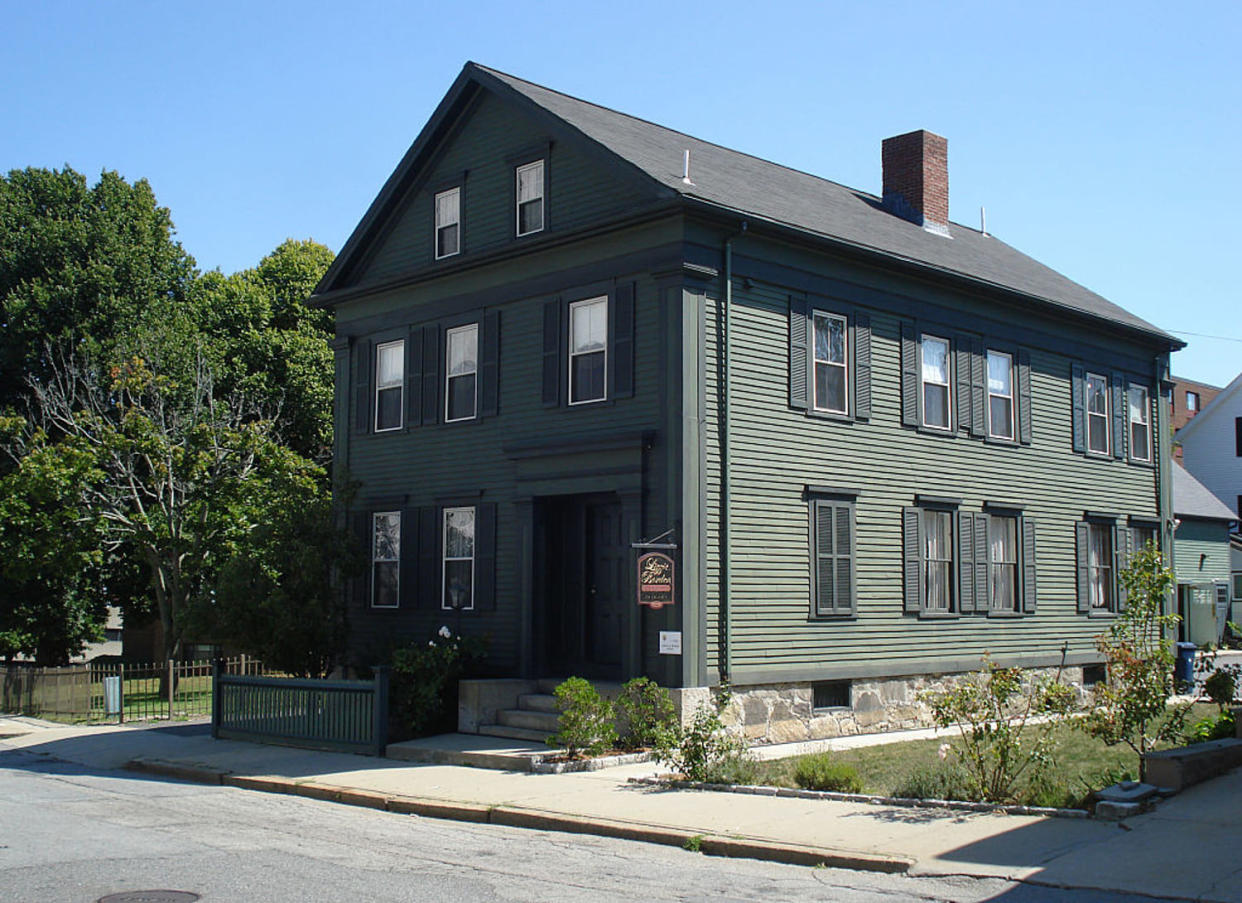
(423, 689)
(1221, 685)
(998, 746)
(645, 711)
(586, 722)
(945, 781)
(819, 772)
(704, 750)
(1213, 727)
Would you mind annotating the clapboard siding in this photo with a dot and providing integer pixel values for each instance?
(1201, 551)
(777, 451)
(482, 148)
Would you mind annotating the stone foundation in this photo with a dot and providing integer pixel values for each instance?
(785, 712)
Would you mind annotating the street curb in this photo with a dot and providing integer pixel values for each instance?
(514, 817)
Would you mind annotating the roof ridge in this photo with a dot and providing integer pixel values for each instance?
(715, 144)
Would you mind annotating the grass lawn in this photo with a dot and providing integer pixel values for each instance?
(1081, 760)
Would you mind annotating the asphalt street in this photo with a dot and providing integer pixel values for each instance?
(71, 834)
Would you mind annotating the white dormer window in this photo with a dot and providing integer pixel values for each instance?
(448, 223)
(530, 198)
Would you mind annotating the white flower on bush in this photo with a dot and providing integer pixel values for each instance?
(446, 633)
(943, 752)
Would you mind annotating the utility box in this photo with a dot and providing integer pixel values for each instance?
(112, 695)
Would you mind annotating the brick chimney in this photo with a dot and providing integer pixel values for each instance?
(916, 179)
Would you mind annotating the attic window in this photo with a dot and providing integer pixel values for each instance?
(448, 223)
(530, 198)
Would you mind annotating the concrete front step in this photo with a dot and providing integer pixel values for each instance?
(538, 702)
(606, 688)
(514, 733)
(547, 722)
(471, 749)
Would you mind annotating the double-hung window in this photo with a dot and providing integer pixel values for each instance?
(458, 562)
(1003, 563)
(1140, 424)
(831, 363)
(938, 542)
(530, 198)
(1100, 567)
(832, 557)
(389, 385)
(461, 372)
(1000, 395)
(935, 382)
(448, 223)
(385, 559)
(1097, 414)
(588, 350)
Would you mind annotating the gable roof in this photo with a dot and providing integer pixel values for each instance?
(1192, 499)
(1219, 403)
(731, 181)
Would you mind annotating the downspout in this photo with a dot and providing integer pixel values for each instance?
(1164, 471)
(726, 560)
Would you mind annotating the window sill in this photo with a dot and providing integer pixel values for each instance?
(1005, 615)
(937, 431)
(820, 618)
(1002, 441)
(830, 415)
(939, 616)
(1103, 613)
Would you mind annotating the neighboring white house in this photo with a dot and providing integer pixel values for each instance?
(1212, 446)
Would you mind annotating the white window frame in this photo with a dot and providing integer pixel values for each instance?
(445, 559)
(375, 517)
(517, 207)
(1146, 421)
(455, 193)
(398, 385)
(948, 383)
(1192, 401)
(1014, 562)
(585, 302)
(949, 562)
(1101, 578)
(1088, 414)
(449, 375)
(1013, 407)
(844, 365)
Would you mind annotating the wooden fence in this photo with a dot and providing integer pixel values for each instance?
(116, 692)
(343, 715)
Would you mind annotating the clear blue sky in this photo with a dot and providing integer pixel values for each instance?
(1105, 139)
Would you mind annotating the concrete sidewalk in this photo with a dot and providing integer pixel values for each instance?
(1186, 848)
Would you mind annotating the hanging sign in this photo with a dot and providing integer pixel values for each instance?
(655, 580)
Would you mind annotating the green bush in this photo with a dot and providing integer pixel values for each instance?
(645, 711)
(586, 722)
(939, 782)
(1221, 685)
(1213, 727)
(423, 689)
(819, 772)
(704, 750)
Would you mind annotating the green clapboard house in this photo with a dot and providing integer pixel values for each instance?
(880, 443)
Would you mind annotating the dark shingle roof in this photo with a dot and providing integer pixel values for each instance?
(736, 181)
(1192, 499)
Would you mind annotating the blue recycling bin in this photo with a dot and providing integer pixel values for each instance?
(1184, 668)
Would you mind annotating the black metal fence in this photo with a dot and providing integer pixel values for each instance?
(117, 692)
(343, 715)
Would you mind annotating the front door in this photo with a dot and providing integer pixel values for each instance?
(583, 563)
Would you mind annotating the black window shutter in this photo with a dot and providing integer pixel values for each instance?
(552, 353)
(966, 562)
(414, 378)
(489, 365)
(1084, 582)
(799, 354)
(1237, 438)
(1029, 588)
(910, 400)
(407, 590)
(1078, 409)
(822, 550)
(364, 368)
(431, 375)
(621, 335)
(1024, 396)
(978, 389)
(862, 366)
(1122, 550)
(429, 557)
(962, 384)
(982, 573)
(1121, 414)
(847, 583)
(912, 553)
(485, 557)
(362, 535)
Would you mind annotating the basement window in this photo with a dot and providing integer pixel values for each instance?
(1092, 675)
(831, 694)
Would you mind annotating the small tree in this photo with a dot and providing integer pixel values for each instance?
(1131, 705)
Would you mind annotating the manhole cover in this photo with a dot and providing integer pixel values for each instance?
(150, 896)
